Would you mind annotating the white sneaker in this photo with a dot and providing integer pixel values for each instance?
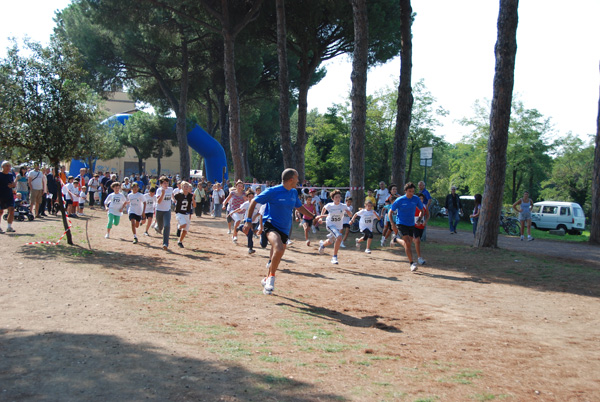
(308, 242)
(313, 229)
(321, 247)
(234, 239)
(357, 244)
(342, 245)
(522, 238)
(269, 285)
(289, 242)
(421, 261)
(106, 236)
(146, 234)
(334, 260)
(382, 241)
(368, 251)
(529, 238)
(268, 264)
(413, 267)
(229, 231)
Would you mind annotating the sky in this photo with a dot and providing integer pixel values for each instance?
(557, 64)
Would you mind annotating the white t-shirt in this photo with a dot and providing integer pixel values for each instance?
(382, 195)
(37, 180)
(81, 197)
(216, 196)
(346, 218)
(336, 214)
(150, 203)
(65, 192)
(366, 219)
(136, 203)
(316, 200)
(93, 184)
(70, 187)
(255, 214)
(165, 204)
(116, 201)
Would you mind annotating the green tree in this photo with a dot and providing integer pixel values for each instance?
(47, 109)
(572, 171)
(138, 133)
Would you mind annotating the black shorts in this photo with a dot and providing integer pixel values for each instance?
(367, 234)
(308, 222)
(388, 225)
(229, 219)
(8, 202)
(149, 215)
(134, 217)
(406, 230)
(418, 233)
(346, 225)
(69, 202)
(268, 227)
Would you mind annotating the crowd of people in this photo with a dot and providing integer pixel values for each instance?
(264, 211)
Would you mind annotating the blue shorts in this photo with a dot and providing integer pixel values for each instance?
(333, 232)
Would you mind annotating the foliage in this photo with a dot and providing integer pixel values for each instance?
(571, 175)
(528, 160)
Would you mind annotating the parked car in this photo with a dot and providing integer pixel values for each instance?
(558, 215)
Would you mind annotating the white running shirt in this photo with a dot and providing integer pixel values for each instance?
(165, 205)
(136, 203)
(366, 219)
(336, 215)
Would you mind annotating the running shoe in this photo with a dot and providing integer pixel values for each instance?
(146, 234)
(229, 231)
(1, 231)
(529, 238)
(382, 241)
(10, 230)
(321, 247)
(180, 244)
(157, 230)
(334, 260)
(251, 251)
(269, 285)
(135, 240)
(165, 247)
(313, 229)
(342, 245)
(234, 239)
(413, 267)
(421, 261)
(368, 251)
(289, 242)
(357, 244)
(308, 242)
(269, 264)
(107, 236)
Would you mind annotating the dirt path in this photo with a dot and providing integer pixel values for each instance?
(110, 320)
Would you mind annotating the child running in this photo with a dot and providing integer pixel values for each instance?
(420, 223)
(115, 203)
(367, 216)
(307, 220)
(150, 199)
(334, 223)
(184, 206)
(254, 219)
(346, 221)
(137, 208)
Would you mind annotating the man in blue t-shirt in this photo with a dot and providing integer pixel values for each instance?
(280, 202)
(405, 219)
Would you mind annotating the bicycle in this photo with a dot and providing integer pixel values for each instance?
(510, 225)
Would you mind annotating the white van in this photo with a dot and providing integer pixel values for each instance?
(558, 215)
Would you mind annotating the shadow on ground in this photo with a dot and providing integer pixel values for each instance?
(59, 366)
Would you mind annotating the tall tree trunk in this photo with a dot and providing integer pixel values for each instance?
(506, 51)
(181, 125)
(359, 100)
(284, 87)
(223, 124)
(305, 76)
(209, 113)
(405, 98)
(595, 226)
(232, 92)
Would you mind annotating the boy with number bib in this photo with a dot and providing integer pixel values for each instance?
(334, 223)
(137, 207)
(367, 216)
(184, 205)
(150, 199)
(115, 203)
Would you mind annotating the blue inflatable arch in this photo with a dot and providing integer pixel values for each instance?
(198, 139)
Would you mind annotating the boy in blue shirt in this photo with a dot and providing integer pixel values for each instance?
(280, 202)
(405, 219)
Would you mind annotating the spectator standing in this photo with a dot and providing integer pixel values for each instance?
(454, 207)
(105, 187)
(53, 187)
(92, 186)
(381, 195)
(7, 199)
(22, 183)
(476, 212)
(37, 183)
